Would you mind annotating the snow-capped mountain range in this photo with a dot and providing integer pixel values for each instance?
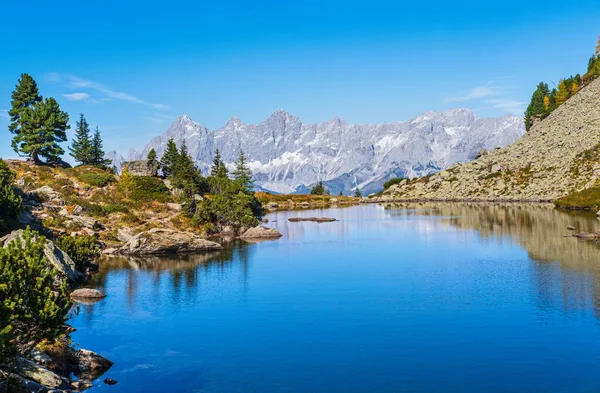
(287, 156)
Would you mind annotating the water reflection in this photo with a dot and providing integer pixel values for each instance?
(178, 276)
(562, 261)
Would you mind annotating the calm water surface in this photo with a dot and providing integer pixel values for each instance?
(405, 298)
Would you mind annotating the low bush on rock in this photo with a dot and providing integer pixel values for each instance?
(393, 181)
(97, 179)
(82, 249)
(10, 203)
(32, 306)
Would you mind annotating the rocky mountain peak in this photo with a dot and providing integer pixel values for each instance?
(289, 156)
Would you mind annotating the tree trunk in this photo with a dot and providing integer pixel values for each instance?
(35, 157)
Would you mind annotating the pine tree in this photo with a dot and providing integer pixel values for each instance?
(536, 108)
(184, 172)
(319, 189)
(25, 95)
(242, 174)
(218, 168)
(169, 158)
(151, 155)
(357, 193)
(97, 151)
(41, 128)
(81, 147)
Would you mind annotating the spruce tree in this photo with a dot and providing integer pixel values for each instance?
(242, 174)
(25, 95)
(536, 108)
(169, 158)
(218, 168)
(41, 128)
(151, 155)
(81, 147)
(319, 189)
(184, 172)
(97, 151)
(357, 193)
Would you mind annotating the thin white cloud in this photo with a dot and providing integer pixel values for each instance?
(77, 96)
(492, 96)
(159, 117)
(507, 104)
(75, 82)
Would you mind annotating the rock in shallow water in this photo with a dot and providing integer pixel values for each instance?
(88, 293)
(261, 232)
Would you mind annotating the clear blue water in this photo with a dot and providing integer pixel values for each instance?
(417, 298)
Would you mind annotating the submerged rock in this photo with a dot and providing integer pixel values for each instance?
(165, 241)
(587, 235)
(261, 232)
(313, 219)
(110, 381)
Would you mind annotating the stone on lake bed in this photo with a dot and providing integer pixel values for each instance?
(313, 219)
(571, 228)
(88, 293)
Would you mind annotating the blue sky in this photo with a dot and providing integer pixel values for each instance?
(133, 67)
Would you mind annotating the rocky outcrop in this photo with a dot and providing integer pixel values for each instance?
(166, 241)
(552, 159)
(90, 365)
(261, 232)
(46, 194)
(37, 373)
(142, 167)
(59, 260)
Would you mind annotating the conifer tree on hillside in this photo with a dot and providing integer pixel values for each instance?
(42, 127)
(169, 158)
(25, 95)
(319, 189)
(357, 193)
(97, 151)
(242, 174)
(38, 125)
(184, 173)
(151, 155)
(81, 146)
(218, 168)
(536, 107)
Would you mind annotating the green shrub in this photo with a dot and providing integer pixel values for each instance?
(393, 181)
(588, 199)
(97, 179)
(148, 189)
(235, 210)
(32, 307)
(82, 249)
(10, 203)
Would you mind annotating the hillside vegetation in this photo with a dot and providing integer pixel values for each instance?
(558, 156)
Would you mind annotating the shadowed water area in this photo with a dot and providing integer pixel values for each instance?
(395, 298)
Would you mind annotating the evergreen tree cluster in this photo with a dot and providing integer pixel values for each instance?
(32, 307)
(544, 101)
(319, 189)
(38, 124)
(227, 201)
(85, 148)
